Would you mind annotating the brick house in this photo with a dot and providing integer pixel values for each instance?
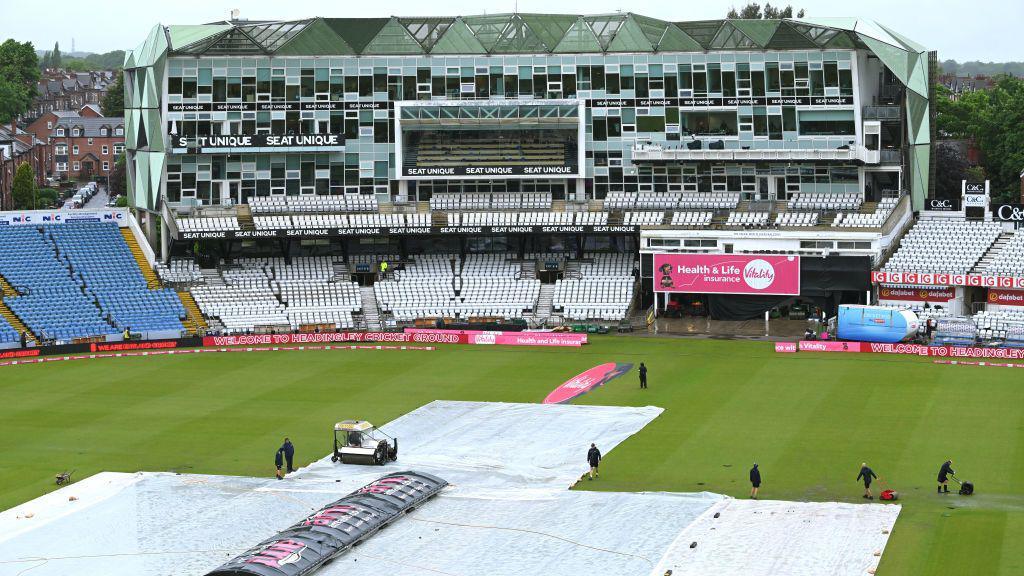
(17, 146)
(86, 148)
(69, 91)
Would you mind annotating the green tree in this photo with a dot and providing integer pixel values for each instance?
(23, 190)
(117, 182)
(19, 65)
(113, 101)
(44, 62)
(994, 119)
(753, 11)
(55, 59)
(11, 104)
(951, 168)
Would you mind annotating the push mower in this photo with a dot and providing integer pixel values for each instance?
(966, 487)
(359, 442)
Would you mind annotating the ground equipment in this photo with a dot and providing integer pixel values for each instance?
(359, 442)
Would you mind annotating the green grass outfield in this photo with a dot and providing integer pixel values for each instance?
(809, 420)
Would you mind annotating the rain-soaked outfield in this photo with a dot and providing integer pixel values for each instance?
(809, 420)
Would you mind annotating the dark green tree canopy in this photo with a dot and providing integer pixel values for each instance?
(19, 72)
(23, 191)
(113, 101)
(753, 11)
(994, 119)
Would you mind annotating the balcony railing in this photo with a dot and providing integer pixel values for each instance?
(882, 113)
(657, 153)
(891, 157)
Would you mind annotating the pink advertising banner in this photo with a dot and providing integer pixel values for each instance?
(525, 338)
(905, 348)
(829, 346)
(785, 347)
(587, 381)
(727, 274)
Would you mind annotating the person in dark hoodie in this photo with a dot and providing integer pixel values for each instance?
(867, 474)
(755, 481)
(944, 473)
(289, 453)
(643, 375)
(279, 461)
(594, 458)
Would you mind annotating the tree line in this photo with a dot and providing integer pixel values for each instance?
(994, 120)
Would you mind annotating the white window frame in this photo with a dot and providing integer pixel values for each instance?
(74, 149)
(106, 166)
(76, 166)
(105, 150)
(60, 131)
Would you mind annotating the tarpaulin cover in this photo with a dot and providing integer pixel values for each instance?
(791, 538)
(319, 537)
(506, 512)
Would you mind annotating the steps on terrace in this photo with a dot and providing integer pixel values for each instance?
(986, 259)
(244, 215)
(194, 322)
(212, 277)
(152, 280)
(6, 290)
(371, 313)
(341, 272)
(16, 322)
(544, 302)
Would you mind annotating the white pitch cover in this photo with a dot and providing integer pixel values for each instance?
(508, 511)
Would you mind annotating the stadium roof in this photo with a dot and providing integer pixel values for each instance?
(495, 34)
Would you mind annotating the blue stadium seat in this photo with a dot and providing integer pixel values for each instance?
(79, 280)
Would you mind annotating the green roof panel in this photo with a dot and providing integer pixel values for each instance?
(357, 32)
(788, 37)
(760, 31)
(652, 28)
(579, 38)
(426, 31)
(517, 38)
(675, 40)
(317, 39)
(630, 38)
(182, 36)
(702, 31)
(393, 38)
(730, 37)
(458, 39)
(550, 28)
(841, 41)
(489, 28)
(605, 27)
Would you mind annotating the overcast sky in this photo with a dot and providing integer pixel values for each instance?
(987, 30)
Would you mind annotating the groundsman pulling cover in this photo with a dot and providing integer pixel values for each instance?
(318, 538)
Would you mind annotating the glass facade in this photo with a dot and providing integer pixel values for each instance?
(775, 100)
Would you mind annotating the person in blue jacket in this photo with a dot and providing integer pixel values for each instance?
(289, 453)
(868, 475)
(944, 473)
(755, 481)
(594, 458)
(279, 461)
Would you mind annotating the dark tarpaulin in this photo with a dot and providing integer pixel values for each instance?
(822, 283)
